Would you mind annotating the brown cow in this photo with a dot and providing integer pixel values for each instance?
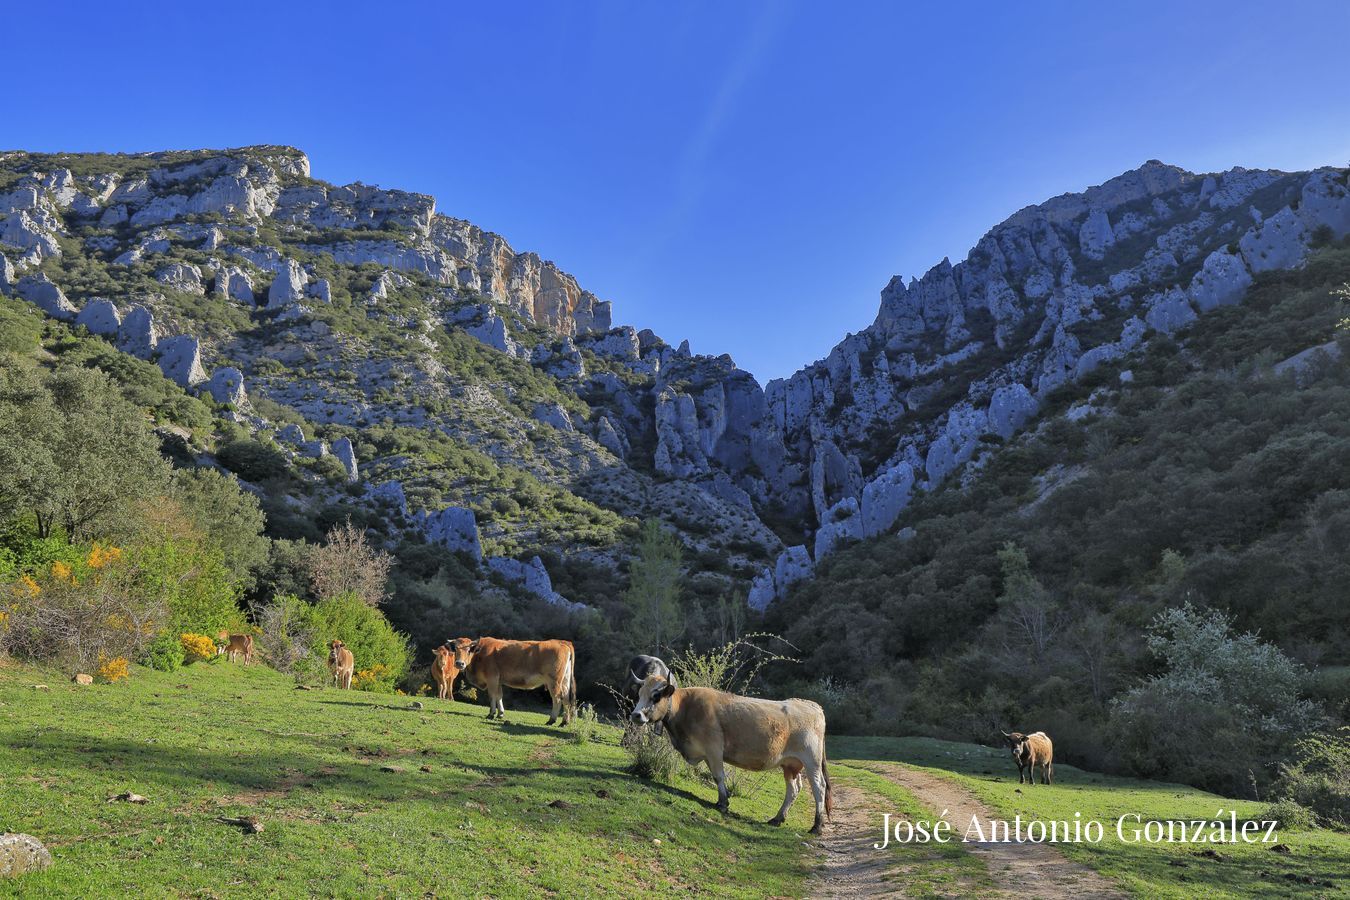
(444, 671)
(716, 727)
(236, 645)
(342, 664)
(1030, 751)
(491, 664)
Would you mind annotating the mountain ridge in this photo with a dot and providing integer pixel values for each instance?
(353, 307)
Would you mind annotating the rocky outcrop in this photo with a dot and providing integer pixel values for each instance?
(234, 283)
(492, 331)
(100, 317)
(793, 565)
(226, 386)
(841, 523)
(455, 528)
(533, 577)
(553, 415)
(288, 287)
(183, 277)
(180, 359)
(137, 334)
(884, 498)
(346, 454)
(46, 296)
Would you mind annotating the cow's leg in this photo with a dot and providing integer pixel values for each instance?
(816, 774)
(792, 774)
(719, 773)
(556, 696)
(1049, 770)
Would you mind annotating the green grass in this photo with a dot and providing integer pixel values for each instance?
(1316, 866)
(219, 740)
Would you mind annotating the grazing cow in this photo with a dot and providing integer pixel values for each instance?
(491, 664)
(236, 646)
(642, 667)
(716, 727)
(444, 671)
(1030, 751)
(342, 664)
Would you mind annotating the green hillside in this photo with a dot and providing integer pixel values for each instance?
(1207, 475)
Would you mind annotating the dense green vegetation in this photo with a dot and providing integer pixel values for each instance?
(1024, 599)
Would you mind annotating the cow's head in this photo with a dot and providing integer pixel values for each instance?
(1014, 740)
(333, 648)
(463, 650)
(653, 700)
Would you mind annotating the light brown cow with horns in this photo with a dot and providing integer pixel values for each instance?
(715, 727)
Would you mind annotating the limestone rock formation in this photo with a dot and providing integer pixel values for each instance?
(180, 359)
(346, 454)
(456, 528)
(46, 296)
(100, 317)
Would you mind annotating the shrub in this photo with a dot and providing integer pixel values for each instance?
(1319, 777)
(165, 653)
(731, 667)
(76, 615)
(587, 723)
(197, 647)
(1226, 706)
(286, 637)
(651, 755)
(1290, 815)
(113, 669)
(378, 649)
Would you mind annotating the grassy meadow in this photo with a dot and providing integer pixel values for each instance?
(1314, 862)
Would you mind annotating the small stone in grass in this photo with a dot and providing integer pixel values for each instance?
(656, 842)
(389, 768)
(128, 797)
(417, 704)
(82, 678)
(20, 853)
(560, 804)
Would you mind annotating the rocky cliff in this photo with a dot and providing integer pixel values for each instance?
(481, 399)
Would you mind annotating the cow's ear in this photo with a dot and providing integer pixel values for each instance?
(473, 646)
(667, 690)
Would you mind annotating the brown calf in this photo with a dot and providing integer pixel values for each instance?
(444, 671)
(342, 664)
(1030, 751)
(491, 664)
(236, 646)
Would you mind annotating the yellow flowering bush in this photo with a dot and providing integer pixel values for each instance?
(197, 647)
(100, 556)
(113, 670)
(366, 679)
(62, 572)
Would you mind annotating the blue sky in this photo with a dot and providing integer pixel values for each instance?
(747, 175)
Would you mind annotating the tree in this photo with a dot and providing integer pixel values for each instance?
(229, 517)
(1025, 606)
(348, 565)
(653, 595)
(73, 452)
(1225, 709)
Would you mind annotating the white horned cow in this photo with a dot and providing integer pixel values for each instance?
(716, 727)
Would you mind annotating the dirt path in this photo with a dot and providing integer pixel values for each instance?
(849, 867)
(1027, 870)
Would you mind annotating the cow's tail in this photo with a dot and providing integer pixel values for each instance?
(829, 792)
(572, 676)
